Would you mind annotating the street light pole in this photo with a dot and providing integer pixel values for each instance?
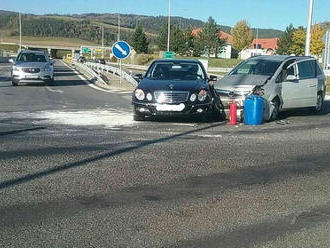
(308, 34)
(169, 25)
(20, 31)
(118, 37)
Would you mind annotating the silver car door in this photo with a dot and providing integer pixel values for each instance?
(290, 88)
(308, 81)
(301, 90)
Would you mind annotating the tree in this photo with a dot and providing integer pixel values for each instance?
(317, 44)
(188, 42)
(242, 35)
(162, 38)
(285, 42)
(209, 37)
(298, 42)
(177, 41)
(140, 43)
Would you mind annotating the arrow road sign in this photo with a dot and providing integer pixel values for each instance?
(121, 50)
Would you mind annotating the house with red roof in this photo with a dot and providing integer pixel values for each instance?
(260, 46)
(225, 52)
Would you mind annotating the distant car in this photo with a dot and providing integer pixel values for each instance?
(82, 59)
(176, 88)
(285, 82)
(31, 66)
(101, 61)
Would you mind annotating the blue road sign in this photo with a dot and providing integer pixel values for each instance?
(121, 49)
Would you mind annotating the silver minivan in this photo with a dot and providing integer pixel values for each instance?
(285, 82)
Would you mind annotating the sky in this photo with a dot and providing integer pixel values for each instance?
(276, 14)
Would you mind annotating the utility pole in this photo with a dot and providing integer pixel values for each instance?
(102, 42)
(169, 25)
(118, 37)
(20, 31)
(308, 33)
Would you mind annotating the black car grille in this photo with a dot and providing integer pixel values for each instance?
(171, 96)
(31, 70)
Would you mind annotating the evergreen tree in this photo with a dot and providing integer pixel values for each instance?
(140, 43)
(177, 41)
(209, 38)
(285, 42)
(162, 38)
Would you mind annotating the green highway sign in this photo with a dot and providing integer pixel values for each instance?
(168, 54)
(85, 50)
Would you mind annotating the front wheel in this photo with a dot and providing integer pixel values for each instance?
(138, 117)
(319, 103)
(14, 83)
(276, 110)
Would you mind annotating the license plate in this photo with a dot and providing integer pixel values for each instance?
(170, 107)
(31, 76)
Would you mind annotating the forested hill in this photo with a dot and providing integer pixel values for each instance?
(88, 26)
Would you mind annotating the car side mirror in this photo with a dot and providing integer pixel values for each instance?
(291, 78)
(213, 78)
(11, 61)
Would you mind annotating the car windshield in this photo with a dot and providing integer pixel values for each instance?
(257, 67)
(176, 71)
(31, 57)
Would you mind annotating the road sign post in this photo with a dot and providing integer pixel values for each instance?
(121, 50)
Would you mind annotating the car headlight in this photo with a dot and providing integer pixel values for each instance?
(15, 68)
(139, 94)
(149, 97)
(193, 97)
(202, 95)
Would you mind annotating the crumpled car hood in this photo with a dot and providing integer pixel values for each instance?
(240, 81)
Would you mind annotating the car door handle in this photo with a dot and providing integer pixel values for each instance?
(312, 86)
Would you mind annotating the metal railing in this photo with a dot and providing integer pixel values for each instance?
(95, 67)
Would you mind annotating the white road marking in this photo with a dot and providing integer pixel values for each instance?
(52, 90)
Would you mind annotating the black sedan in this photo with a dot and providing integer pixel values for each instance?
(176, 88)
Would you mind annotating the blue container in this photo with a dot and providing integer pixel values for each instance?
(253, 110)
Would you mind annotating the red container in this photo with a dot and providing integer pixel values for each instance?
(233, 113)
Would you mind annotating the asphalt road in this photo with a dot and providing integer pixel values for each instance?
(77, 171)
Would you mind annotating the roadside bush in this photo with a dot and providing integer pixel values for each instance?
(143, 59)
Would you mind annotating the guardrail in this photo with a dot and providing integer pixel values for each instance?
(90, 71)
(110, 69)
(144, 68)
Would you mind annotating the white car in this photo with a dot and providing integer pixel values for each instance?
(31, 66)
